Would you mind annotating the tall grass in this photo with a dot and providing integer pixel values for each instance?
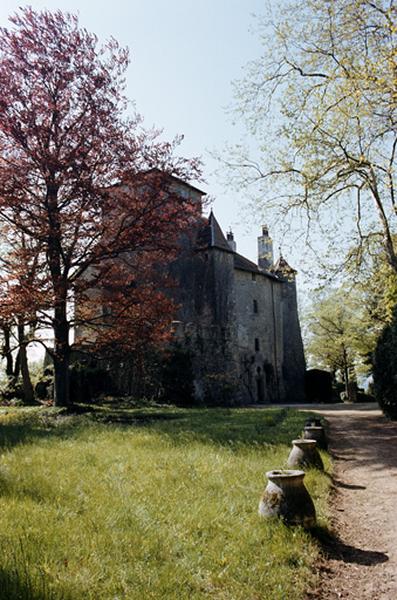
(149, 508)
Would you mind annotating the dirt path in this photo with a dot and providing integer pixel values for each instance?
(361, 561)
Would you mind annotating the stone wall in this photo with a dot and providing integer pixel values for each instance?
(240, 328)
(293, 370)
(259, 335)
(206, 314)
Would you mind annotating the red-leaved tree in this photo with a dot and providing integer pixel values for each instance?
(86, 186)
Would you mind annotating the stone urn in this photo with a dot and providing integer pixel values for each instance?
(313, 422)
(286, 497)
(316, 433)
(304, 454)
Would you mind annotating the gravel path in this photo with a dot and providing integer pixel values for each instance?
(360, 562)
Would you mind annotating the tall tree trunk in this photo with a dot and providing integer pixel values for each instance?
(28, 392)
(345, 371)
(61, 357)
(59, 281)
(17, 365)
(7, 351)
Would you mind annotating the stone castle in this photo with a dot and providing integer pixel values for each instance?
(237, 328)
(238, 321)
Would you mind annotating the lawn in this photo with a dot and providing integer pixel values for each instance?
(155, 503)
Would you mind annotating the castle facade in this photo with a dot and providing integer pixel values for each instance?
(238, 321)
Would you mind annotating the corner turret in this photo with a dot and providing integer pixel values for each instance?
(283, 270)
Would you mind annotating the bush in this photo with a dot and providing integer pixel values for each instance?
(385, 369)
(88, 381)
(177, 377)
(12, 394)
(318, 386)
(44, 388)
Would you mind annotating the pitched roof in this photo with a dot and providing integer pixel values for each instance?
(210, 235)
(142, 176)
(174, 178)
(283, 267)
(242, 263)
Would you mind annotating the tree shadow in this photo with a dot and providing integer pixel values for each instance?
(223, 426)
(22, 586)
(336, 457)
(346, 486)
(27, 428)
(367, 439)
(334, 548)
(124, 418)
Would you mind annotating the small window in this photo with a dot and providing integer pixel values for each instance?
(256, 344)
(255, 306)
(253, 276)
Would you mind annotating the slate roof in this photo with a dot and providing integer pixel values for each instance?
(211, 235)
(282, 266)
(242, 263)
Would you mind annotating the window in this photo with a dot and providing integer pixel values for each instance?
(255, 306)
(256, 344)
(253, 275)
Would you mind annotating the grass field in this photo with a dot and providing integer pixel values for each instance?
(149, 504)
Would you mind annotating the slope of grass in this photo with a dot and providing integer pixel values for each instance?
(162, 505)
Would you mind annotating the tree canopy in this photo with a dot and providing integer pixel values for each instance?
(321, 104)
(71, 185)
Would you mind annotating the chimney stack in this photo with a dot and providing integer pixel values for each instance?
(265, 249)
(230, 240)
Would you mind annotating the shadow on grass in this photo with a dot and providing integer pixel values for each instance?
(334, 548)
(19, 586)
(24, 428)
(219, 425)
(223, 426)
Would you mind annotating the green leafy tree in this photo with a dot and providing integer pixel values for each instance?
(341, 335)
(385, 369)
(323, 98)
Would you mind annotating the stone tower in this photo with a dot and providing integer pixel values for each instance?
(293, 371)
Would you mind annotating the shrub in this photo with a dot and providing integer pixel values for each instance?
(44, 388)
(88, 381)
(385, 369)
(177, 377)
(12, 394)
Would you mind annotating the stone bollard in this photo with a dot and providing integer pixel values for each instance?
(304, 454)
(286, 497)
(318, 434)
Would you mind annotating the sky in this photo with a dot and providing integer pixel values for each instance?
(184, 56)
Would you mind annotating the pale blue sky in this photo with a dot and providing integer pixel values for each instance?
(185, 54)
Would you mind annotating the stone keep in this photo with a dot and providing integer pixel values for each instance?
(238, 321)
